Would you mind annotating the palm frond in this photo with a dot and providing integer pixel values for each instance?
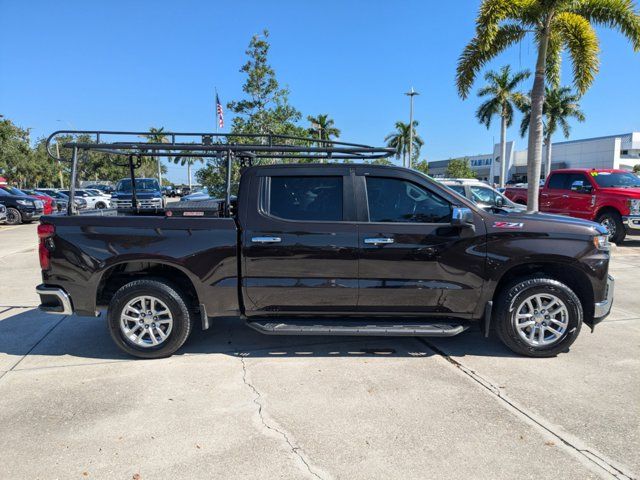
(477, 53)
(554, 58)
(616, 14)
(582, 43)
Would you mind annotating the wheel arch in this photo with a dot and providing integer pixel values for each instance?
(605, 209)
(572, 276)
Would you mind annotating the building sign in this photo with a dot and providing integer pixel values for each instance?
(480, 162)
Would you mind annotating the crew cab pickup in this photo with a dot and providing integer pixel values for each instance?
(334, 249)
(608, 197)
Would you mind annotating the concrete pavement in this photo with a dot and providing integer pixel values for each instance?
(236, 404)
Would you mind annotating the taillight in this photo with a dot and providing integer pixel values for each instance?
(45, 232)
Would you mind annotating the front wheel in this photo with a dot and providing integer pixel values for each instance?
(149, 318)
(101, 205)
(612, 221)
(14, 217)
(538, 317)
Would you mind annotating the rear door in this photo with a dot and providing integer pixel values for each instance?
(554, 197)
(412, 259)
(299, 247)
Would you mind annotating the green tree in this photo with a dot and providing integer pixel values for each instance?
(322, 127)
(157, 135)
(460, 168)
(557, 25)
(399, 140)
(636, 168)
(266, 108)
(560, 103)
(422, 166)
(501, 90)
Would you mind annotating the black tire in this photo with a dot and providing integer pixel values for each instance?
(101, 205)
(171, 296)
(613, 222)
(14, 217)
(511, 298)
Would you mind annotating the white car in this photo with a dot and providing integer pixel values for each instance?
(98, 193)
(93, 200)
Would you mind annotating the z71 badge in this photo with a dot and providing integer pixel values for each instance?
(508, 225)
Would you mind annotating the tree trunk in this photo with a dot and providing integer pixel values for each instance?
(534, 151)
(548, 154)
(503, 150)
(189, 175)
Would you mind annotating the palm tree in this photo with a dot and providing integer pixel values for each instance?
(157, 135)
(557, 25)
(560, 104)
(502, 97)
(322, 127)
(399, 140)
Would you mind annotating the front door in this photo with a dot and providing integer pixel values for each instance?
(412, 259)
(300, 250)
(578, 193)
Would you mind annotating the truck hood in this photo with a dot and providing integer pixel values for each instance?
(139, 195)
(540, 222)
(623, 192)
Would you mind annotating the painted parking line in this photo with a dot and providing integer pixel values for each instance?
(6, 229)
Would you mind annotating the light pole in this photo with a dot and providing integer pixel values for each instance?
(411, 93)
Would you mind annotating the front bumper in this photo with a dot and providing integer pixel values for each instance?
(54, 300)
(632, 224)
(603, 308)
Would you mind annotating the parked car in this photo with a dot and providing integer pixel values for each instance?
(106, 189)
(482, 194)
(48, 203)
(197, 196)
(21, 208)
(93, 200)
(63, 200)
(311, 249)
(148, 194)
(606, 196)
(98, 193)
(3, 214)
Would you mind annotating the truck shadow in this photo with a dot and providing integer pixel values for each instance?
(35, 334)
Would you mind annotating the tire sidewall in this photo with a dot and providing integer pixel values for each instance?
(171, 296)
(512, 300)
(16, 214)
(617, 220)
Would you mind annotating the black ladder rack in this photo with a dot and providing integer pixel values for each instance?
(230, 146)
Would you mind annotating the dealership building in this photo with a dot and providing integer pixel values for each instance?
(613, 151)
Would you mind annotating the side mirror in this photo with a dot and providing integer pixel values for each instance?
(462, 217)
(499, 201)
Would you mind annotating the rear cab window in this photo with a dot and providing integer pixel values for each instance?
(306, 198)
(558, 181)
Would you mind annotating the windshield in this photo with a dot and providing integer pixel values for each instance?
(142, 184)
(13, 191)
(611, 179)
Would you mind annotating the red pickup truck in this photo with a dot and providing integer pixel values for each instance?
(609, 197)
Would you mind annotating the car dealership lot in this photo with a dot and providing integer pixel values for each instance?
(234, 403)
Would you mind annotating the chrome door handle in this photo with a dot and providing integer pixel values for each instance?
(378, 241)
(565, 196)
(266, 239)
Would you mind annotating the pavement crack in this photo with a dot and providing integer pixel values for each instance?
(594, 459)
(297, 451)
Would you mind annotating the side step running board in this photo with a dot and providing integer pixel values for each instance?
(357, 327)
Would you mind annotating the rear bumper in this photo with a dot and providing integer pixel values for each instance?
(603, 308)
(54, 300)
(632, 224)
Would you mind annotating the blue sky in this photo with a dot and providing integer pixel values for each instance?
(137, 64)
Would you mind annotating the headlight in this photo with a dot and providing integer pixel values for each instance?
(601, 242)
(634, 206)
(26, 203)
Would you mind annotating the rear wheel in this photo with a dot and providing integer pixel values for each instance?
(101, 205)
(14, 217)
(612, 221)
(149, 318)
(538, 317)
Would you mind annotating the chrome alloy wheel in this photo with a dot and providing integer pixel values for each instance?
(610, 225)
(146, 321)
(541, 319)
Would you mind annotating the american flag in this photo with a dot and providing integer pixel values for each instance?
(219, 112)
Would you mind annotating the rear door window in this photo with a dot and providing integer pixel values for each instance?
(558, 181)
(306, 198)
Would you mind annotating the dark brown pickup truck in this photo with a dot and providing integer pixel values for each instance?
(333, 249)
